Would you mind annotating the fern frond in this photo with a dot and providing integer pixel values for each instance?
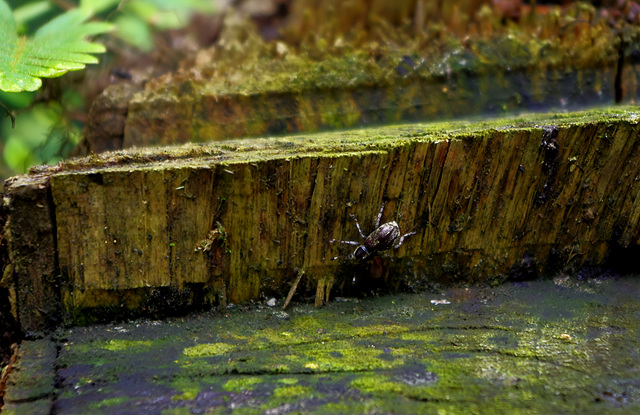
(57, 47)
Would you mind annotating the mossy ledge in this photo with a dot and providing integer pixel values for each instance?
(339, 64)
(234, 221)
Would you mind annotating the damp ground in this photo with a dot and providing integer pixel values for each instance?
(555, 346)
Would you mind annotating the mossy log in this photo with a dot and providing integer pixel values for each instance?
(151, 229)
(343, 65)
(186, 111)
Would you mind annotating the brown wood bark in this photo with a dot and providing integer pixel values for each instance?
(31, 275)
(234, 221)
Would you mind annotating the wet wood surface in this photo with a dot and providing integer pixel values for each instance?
(235, 221)
(552, 346)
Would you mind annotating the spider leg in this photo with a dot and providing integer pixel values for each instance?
(379, 216)
(397, 245)
(346, 242)
(358, 226)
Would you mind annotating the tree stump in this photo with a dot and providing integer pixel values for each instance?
(159, 230)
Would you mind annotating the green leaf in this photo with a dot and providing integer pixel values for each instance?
(31, 11)
(98, 6)
(134, 31)
(57, 47)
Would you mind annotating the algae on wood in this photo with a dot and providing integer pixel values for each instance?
(233, 221)
(561, 346)
(31, 379)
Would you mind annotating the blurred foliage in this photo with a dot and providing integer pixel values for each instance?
(49, 125)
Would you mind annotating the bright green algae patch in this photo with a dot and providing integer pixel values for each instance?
(559, 346)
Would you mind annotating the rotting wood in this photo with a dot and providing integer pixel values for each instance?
(31, 275)
(323, 289)
(510, 197)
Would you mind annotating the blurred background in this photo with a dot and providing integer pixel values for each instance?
(49, 122)
(156, 37)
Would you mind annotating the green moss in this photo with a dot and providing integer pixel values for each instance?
(177, 411)
(345, 143)
(109, 402)
(289, 392)
(506, 355)
(240, 384)
(376, 384)
(187, 395)
(432, 52)
(288, 381)
(121, 345)
(339, 356)
(208, 349)
(381, 70)
(189, 388)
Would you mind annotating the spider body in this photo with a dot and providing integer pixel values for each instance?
(384, 237)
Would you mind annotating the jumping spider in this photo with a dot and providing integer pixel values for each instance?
(383, 238)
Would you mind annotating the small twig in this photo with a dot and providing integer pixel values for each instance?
(10, 115)
(293, 289)
(118, 9)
